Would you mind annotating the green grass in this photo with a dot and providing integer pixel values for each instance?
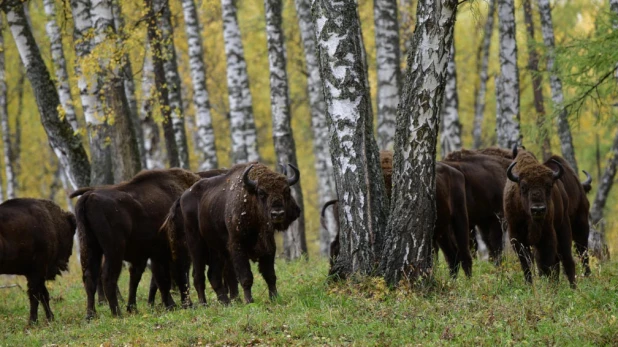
(494, 307)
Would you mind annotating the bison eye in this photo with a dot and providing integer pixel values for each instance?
(261, 193)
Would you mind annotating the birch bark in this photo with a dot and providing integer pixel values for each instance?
(483, 67)
(152, 141)
(450, 139)
(9, 168)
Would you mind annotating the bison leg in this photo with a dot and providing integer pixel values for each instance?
(44, 298)
(495, 244)
(152, 291)
(91, 256)
(161, 273)
(459, 227)
(136, 270)
(199, 277)
(565, 254)
(546, 257)
(266, 266)
(525, 258)
(229, 280)
(215, 277)
(34, 295)
(110, 274)
(448, 247)
(180, 273)
(243, 271)
(581, 231)
(100, 292)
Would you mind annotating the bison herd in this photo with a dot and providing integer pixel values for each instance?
(224, 219)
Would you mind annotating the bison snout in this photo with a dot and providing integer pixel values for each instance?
(277, 215)
(538, 211)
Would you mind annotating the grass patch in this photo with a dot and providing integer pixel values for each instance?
(494, 307)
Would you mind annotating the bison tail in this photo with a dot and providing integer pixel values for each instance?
(80, 191)
(85, 238)
(173, 228)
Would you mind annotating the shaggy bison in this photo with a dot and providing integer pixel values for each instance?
(536, 208)
(36, 241)
(121, 222)
(231, 219)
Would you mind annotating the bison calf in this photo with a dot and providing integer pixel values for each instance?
(36, 241)
(536, 208)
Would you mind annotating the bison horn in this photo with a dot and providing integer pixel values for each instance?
(514, 151)
(246, 180)
(294, 179)
(588, 180)
(283, 169)
(509, 173)
(558, 174)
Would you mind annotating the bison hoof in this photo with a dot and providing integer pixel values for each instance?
(131, 309)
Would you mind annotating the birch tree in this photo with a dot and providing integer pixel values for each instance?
(294, 241)
(127, 161)
(205, 135)
(9, 169)
(482, 59)
(317, 105)
(408, 246)
(172, 78)
(154, 37)
(242, 123)
(89, 89)
(354, 151)
(564, 130)
(59, 63)
(406, 26)
(537, 83)
(450, 139)
(152, 142)
(66, 145)
(388, 66)
(507, 118)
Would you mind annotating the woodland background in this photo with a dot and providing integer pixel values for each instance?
(593, 124)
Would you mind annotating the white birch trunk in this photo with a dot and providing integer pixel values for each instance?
(205, 140)
(152, 139)
(294, 240)
(483, 61)
(507, 119)
(315, 92)
(362, 198)
(406, 9)
(173, 80)
(9, 168)
(63, 141)
(564, 130)
(450, 139)
(60, 66)
(408, 247)
(242, 123)
(389, 69)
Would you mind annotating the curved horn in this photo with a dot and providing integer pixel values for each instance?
(509, 173)
(283, 169)
(588, 180)
(328, 203)
(558, 174)
(246, 180)
(294, 179)
(514, 151)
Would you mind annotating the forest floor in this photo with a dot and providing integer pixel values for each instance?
(494, 307)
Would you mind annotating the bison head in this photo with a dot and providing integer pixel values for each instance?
(535, 185)
(273, 194)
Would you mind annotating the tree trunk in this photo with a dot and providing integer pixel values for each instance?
(125, 149)
(9, 167)
(205, 136)
(450, 140)
(16, 138)
(294, 241)
(323, 163)
(152, 140)
(242, 124)
(408, 248)
(129, 84)
(89, 89)
(62, 139)
(389, 69)
(154, 37)
(406, 26)
(537, 83)
(60, 67)
(362, 198)
(482, 59)
(172, 78)
(564, 130)
(507, 118)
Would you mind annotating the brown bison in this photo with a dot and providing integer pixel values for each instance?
(231, 219)
(36, 241)
(121, 222)
(536, 208)
(451, 230)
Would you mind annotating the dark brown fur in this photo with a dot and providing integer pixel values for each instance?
(36, 241)
(536, 209)
(227, 223)
(121, 222)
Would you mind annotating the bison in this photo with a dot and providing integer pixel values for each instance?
(536, 208)
(451, 229)
(36, 241)
(231, 219)
(121, 222)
